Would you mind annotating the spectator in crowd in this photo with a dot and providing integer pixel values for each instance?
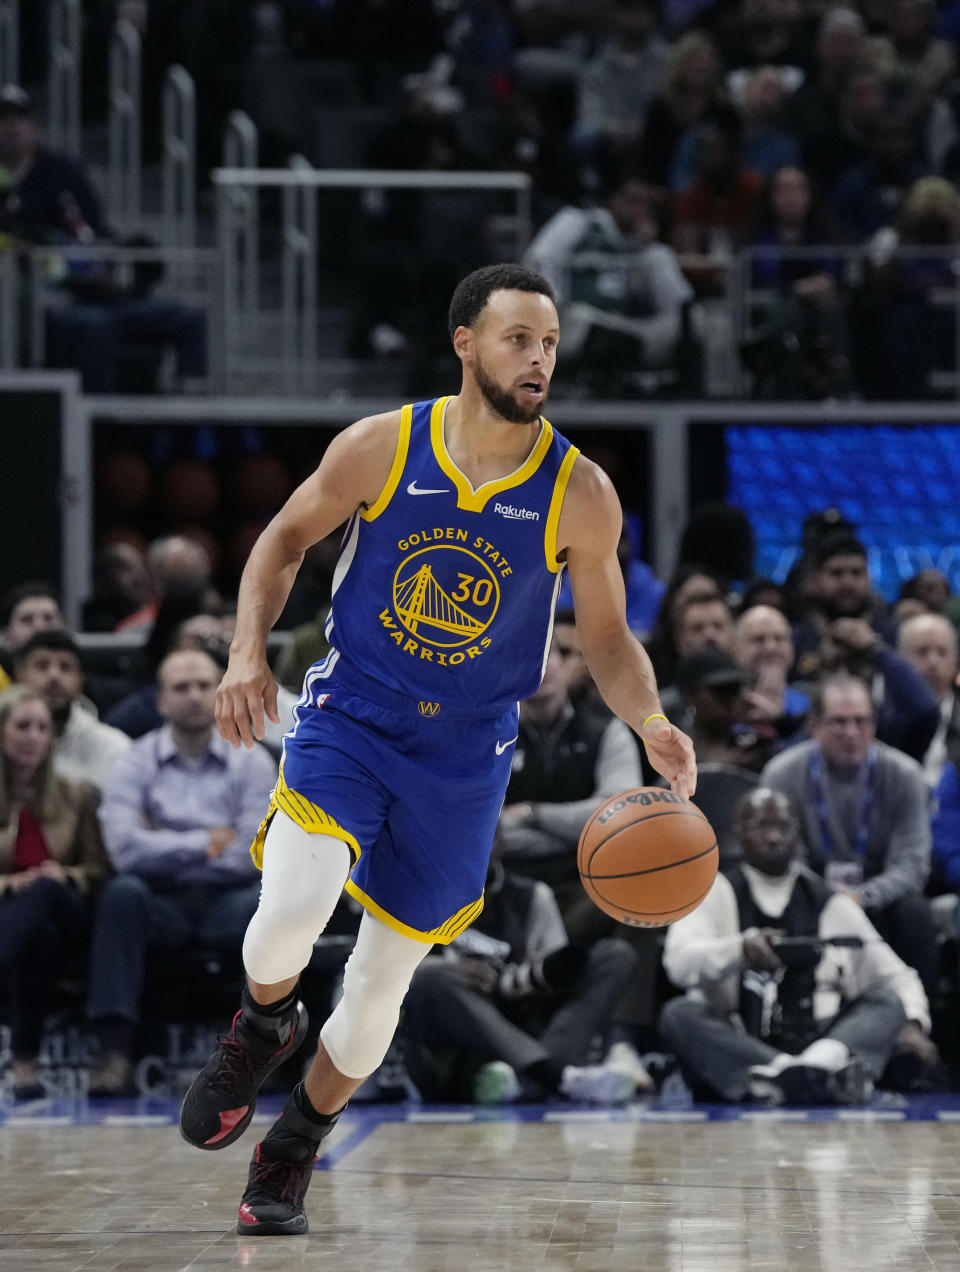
(868, 195)
(616, 85)
(692, 91)
(178, 815)
(121, 586)
(765, 33)
(710, 698)
(798, 346)
(85, 749)
(50, 199)
(840, 48)
(566, 760)
(838, 142)
(717, 212)
(25, 609)
(767, 143)
(903, 334)
(846, 627)
(864, 818)
(51, 856)
(774, 1011)
(928, 642)
(763, 647)
(917, 65)
(173, 561)
(620, 291)
(932, 592)
(510, 1010)
(688, 582)
(703, 621)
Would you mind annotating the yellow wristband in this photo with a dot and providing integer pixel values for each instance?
(657, 715)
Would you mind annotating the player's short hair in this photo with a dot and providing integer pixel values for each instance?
(473, 292)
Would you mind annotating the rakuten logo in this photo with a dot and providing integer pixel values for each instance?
(516, 514)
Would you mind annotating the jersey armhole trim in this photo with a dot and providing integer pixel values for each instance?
(556, 504)
(396, 469)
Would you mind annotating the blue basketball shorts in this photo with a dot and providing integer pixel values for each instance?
(415, 795)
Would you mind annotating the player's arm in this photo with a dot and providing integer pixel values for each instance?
(352, 473)
(587, 537)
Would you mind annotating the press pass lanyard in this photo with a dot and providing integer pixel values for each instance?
(820, 801)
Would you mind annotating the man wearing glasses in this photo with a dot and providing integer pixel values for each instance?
(864, 818)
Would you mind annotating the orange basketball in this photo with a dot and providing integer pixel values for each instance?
(647, 857)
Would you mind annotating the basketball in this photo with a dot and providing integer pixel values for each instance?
(647, 857)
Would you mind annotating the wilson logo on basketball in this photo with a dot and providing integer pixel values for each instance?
(639, 797)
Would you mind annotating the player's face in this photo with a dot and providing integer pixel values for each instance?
(514, 352)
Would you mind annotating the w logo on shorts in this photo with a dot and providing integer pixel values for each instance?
(429, 708)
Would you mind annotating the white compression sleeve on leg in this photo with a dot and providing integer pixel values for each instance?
(377, 976)
(303, 877)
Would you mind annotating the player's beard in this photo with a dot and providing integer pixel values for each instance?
(502, 402)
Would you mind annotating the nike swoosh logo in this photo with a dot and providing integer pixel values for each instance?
(502, 746)
(414, 489)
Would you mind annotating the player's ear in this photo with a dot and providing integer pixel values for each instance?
(464, 340)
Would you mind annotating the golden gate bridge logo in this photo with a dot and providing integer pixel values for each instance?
(453, 609)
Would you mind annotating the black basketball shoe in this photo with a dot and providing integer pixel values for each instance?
(223, 1096)
(280, 1172)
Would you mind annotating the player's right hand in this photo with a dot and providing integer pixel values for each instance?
(246, 692)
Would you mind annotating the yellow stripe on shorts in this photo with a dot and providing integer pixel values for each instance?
(441, 935)
(309, 816)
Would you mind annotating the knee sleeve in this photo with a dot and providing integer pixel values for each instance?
(377, 976)
(303, 877)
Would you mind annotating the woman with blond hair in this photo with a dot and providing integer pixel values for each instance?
(51, 855)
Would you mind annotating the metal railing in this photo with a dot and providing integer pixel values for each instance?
(293, 366)
(66, 61)
(124, 173)
(179, 158)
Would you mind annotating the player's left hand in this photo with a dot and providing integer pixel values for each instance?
(671, 754)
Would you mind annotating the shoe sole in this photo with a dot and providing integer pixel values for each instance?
(295, 1227)
(299, 1033)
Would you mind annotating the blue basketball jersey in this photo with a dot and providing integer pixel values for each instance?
(445, 593)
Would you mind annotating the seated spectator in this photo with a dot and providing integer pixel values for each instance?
(50, 199)
(688, 582)
(916, 63)
(864, 818)
(25, 609)
(616, 85)
(566, 760)
(845, 627)
(51, 856)
(929, 644)
(692, 91)
(903, 334)
(121, 586)
(717, 212)
(178, 816)
(510, 1010)
(798, 345)
(709, 699)
(701, 622)
(815, 108)
(85, 749)
(763, 647)
(868, 196)
(173, 561)
(620, 291)
(773, 1010)
(838, 142)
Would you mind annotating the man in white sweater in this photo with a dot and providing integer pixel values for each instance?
(792, 995)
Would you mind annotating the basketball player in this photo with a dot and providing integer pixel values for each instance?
(461, 516)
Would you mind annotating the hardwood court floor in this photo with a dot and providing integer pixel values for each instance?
(111, 1187)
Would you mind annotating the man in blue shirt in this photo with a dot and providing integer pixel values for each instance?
(178, 815)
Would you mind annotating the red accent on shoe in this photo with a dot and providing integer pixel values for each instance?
(247, 1217)
(228, 1121)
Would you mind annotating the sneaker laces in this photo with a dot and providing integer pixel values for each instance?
(279, 1180)
(237, 1061)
